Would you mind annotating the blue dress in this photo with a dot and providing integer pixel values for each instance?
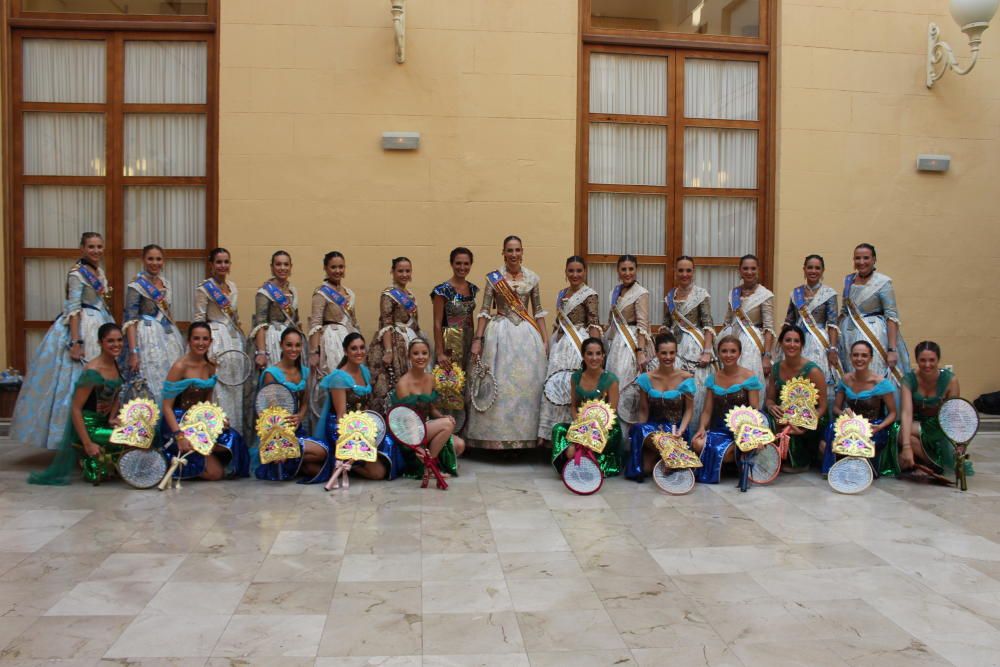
(186, 393)
(358, 397)
(867, 404)
(666, 409)
(43, 404)
(281, 471)
(719, 438)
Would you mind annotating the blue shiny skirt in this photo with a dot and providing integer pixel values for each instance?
(235, 458)
(283, 471)
(637, 434)
(718, 440)
(388, 450)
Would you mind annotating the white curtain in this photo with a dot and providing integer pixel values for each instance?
(626, 223)
(626, 84)
(719, 226)
(720, 89)
(44, 287)
(719, 281)
(166, 72)
(183, 275)
(64, 70)
(603, 277)
(32, 339)
(628, 154)
(56, 215)
(173, 217)
(165, 144)
(720, 158)
(63, 144)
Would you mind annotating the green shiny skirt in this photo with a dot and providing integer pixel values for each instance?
(447, 461)
(610, 460)
(95, 468)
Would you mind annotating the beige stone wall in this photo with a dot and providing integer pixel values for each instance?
(853, 116)
(308, 87)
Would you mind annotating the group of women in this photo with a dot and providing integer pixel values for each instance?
(682, 379)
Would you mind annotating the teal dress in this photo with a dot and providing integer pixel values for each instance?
(925, 412)
(610, 460)
(422, 404)
(803, 450)
(96, 413)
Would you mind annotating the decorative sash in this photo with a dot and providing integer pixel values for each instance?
(220, 299)
(802, 306)
(280, 299)
(153, 293)
(621, 325)
(736, 303)
(505, 290)
(862, 326)
(336, 298)
(686, 325)
(403, 299)
(93, 280)
(564, 306)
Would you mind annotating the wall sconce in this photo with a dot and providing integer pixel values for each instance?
(928, 162)
(398, 9)
(400, 141)
(974, 17)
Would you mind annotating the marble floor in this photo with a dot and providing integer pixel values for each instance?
(506, 568)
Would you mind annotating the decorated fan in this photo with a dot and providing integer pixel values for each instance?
(589, 433)
(450, 386)
(356, 440)
(674, 452)
(278, 441)
(600, 411)
(138, 420)
(751, 436)
(798, 404)
(743, 414)
(209, 415)
(754, 439)
(852, 436)
(200, 437)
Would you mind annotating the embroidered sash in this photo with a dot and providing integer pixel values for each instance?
(505, 290)
(621, 325)
(219, 297)
(802, 306)
(862, 326)
(94, 280)
(564, 322)
(736, 303)
(403, 299)
(686, 325)
(272, 292)
(154, 294)
(338, 299)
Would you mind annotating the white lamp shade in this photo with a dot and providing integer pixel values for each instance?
(973, 11)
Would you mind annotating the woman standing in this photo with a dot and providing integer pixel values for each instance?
(192, 380)
(750, 317)
(576, 320)
(348, 389)
(276, 308)
(511, 343)
(813, 308)
(331, 319)
(921, 439)
(94, 409)
(416, 390)
(869, 313)
(861, 393)
(454, 305)
(154, 341)
(803, 446)
(731, 387)
(314, 461)
(666, 403)
(688, 316)
(215, 302)
(398, 326)
(43, 404)
(591, 382)
(628, 335)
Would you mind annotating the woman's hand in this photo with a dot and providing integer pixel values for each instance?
(766, 363)
(115, 422)
(674, 430)
(260, 360)
(906, 460)
(796, 430)
(477, 348)
(76, 351)
(91, 449)
(444, 361)
(183, 444)
(704, 360)
(387, 358)
(892, 358)
(133, 362)
(700, 435)
(314, 360)
(774, 410)
(295, 420)
(833, 358)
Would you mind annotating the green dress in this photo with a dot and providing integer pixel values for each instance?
(447, 460)
(96, 413)
(610, 459)
(925, 411)
(803, 450)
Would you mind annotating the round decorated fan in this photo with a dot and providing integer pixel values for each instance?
(799, 390)
(556, 388)
(676, 482)
(357, 423)
(138, 420)
(278, 441)
(599, 411)
(959, 420)
(379, 425)
(743, 414)
(583, 477)
(852, 436)
(752, 436)
(142, 468)
(766, 465)
(209, 415)
(850, 475)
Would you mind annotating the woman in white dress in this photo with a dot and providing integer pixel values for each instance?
(510, 339)
(750, 317)
(576, 320)
(331, 319)
(154, 341)
(813, 308)
(276, 308)
(628, 336)
(215, 302)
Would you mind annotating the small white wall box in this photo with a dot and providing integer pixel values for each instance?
(927, 162)
(400, 141)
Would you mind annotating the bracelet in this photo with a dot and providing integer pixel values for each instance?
(477, 338)
(176, 433)
(135, 350)
(890, 349)
(260, 352)
(767, 354)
